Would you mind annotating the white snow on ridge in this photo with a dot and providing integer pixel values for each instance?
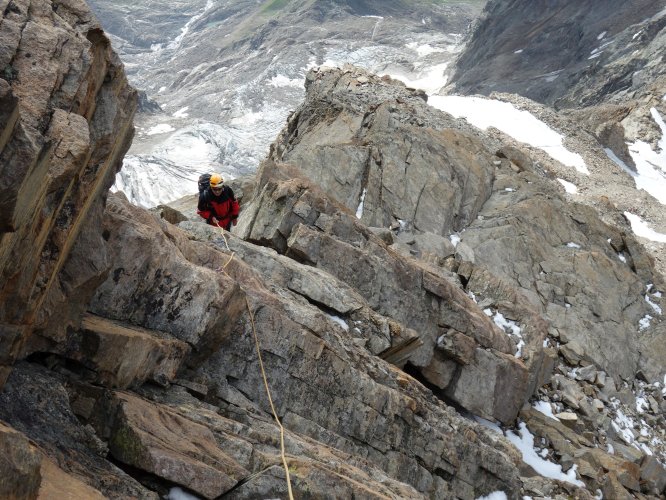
(525, 444)
(569, 187)
(431, 80)
(650, 165)
(640, 228)
(521, 125)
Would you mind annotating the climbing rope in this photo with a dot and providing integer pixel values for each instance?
(263, 375)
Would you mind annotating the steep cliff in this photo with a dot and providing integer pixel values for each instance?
(397, 279)
(66, 123)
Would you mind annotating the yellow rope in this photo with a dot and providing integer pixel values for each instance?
(263, 375)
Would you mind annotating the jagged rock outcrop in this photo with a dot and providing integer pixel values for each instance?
(581, 285)
(65, 124)
(421, 299)
(142, 373)
(355, 423)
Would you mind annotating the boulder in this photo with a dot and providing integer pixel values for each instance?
(194, 304)
(20, 465)
(57, 484)
(156, 440)
(123, 355)
(653, 476)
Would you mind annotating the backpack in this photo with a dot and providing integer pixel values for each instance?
(204, 183)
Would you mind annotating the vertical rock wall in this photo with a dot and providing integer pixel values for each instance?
(66, 113)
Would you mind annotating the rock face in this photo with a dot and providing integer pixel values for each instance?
(65, 125)
(158, 354)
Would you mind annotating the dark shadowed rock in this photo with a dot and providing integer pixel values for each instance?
(36, 403)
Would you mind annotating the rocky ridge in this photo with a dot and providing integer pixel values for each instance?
(600, 66)
(374, 320)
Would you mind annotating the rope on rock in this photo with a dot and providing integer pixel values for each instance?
(263, 375)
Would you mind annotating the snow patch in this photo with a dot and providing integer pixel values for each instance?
(656, 307)
(642, 405)
(601, 35)
(339, 321)
(510, 327)
(425, 49)
(181, 113)
(519, 51)
(283, 81)
(571, 244)
(521, 125)
(641, 228)
(495, 495)
(431, 80)
(247, 119)
(650, 165)
(455, 239)
(488, 424)
(545, 408)
(176, 493)
(524, 441)
(569, 187)
(644, 322)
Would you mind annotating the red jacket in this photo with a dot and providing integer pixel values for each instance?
(224, 207)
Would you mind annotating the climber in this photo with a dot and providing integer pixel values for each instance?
(217, 203)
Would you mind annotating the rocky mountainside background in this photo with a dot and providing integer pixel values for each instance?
(219, 78)
(436, 315)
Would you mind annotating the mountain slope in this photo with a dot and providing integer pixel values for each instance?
(565, 54)
(227, 74)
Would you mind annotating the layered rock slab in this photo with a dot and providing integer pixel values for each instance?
(36, 403)
(323, 384)
(294, 215)
(66, 123)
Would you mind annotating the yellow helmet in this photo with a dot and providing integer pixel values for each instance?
(216, 181)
